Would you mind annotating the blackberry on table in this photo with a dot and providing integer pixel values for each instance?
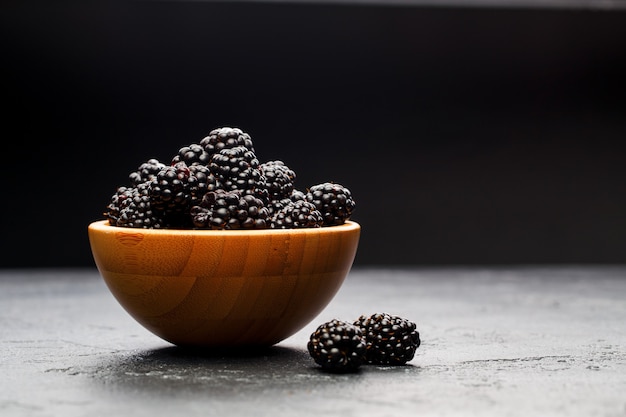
(337, 346)
(333, 200)
(229, 210)
(146, 172)
(297, 215)
(390, 340)
(226, 138)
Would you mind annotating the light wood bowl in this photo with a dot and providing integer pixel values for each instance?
(227, 288)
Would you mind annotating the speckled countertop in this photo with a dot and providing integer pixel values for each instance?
(496, 341)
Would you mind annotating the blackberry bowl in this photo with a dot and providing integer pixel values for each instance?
(224, 288)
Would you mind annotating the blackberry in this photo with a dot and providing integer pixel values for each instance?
(333, 200)
(132, 208)
(296, 215)
(297, 195)
(146, 172)
(277, 205)
(170, 194)
(229, 210)
(274, 206)
(201, 181)
(337, 346)
(279, 179)
(193, 154)
(390, 340)
(238, 169)
(137, 211)
(226, 138)
(112, 212)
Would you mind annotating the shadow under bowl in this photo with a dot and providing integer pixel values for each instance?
(223, 288)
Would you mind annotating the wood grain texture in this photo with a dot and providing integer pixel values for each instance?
(224, 288)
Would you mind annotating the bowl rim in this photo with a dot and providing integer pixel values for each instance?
(105, 226)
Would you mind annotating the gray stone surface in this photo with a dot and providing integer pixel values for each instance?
(495, 342)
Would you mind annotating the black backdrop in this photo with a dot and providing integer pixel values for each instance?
(467, 135)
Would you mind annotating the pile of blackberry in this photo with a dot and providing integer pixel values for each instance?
(378, 339)
(219, 183)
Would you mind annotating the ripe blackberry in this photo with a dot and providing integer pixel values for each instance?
(112, 212)
(229, 210)
(170, 194)
(296, 215)
(297, 195)
(146, 172)
(390, 340)
(130, 207)
(137, 211)
(337, 346)
(333, 200)
(238, 169)
(226, 138)
(201, 181)
(274, 206)
(277, 205)
(279, 179)
(193, 154)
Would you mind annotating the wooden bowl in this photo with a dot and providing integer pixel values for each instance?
(226, 288)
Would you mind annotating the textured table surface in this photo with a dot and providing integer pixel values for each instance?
(495, 341)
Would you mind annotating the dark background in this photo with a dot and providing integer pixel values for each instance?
(468, 135)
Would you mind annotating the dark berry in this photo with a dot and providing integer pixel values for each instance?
(333, 200)
(277, 205)
(279, 179)
(112, 212)
(146, 172)
(193, 154)
(337, 346)
(238, 169)
(390, 340)
(169, 190)
(226, 138)
(230, 210)
(201, 181)
(296, 215)
(130, 207)
(297, 195)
